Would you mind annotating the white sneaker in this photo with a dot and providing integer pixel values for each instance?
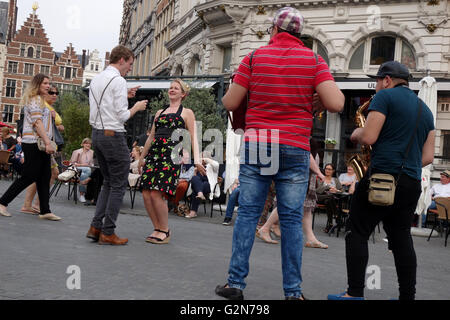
(82, 199)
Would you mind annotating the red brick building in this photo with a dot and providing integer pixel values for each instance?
(28, 53)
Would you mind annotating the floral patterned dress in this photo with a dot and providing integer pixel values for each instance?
(160, 173)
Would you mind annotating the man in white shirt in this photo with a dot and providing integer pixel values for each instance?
(441, 189)
(108, 99)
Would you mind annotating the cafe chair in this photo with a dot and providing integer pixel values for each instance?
(5, 165)
(72, 183)
(441, 218)
(133, 189)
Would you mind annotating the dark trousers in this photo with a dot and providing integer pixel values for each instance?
(199, 183)
(330, 203)
(36, 168)
(397, 219)
(114, 162)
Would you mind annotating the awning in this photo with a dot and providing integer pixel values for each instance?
(165, 84)
(370, 85)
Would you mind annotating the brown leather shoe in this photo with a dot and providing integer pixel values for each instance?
(112, 240)
(93, 233)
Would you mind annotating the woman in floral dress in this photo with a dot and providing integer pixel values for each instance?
(160, 174)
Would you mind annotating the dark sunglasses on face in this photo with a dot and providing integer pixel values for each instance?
(53, 93)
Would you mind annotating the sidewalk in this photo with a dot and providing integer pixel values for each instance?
(35, 255)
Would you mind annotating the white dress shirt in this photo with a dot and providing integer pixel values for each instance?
(114, 105)
(440, 190)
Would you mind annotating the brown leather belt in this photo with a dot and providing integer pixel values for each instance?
(109, 133)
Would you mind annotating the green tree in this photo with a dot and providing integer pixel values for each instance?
(74, 110)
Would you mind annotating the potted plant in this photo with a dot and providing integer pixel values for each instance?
(330, 143)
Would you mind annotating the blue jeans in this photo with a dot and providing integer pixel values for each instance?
(432, 206)
(291, 183)
(85, 173)
(234, 196)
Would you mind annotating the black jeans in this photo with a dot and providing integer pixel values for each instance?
(199, 183)
(397, 219)
(36, 168)
(330, 202)
(114, 162)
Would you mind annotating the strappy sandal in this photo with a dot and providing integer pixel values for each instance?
(316, 244)
(156, 240)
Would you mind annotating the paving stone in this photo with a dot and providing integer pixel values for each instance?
(35, 255)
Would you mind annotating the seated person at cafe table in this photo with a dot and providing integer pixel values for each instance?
(325, 190)
(346, 179)
(83, 160)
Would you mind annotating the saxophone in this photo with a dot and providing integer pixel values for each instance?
(360, 162)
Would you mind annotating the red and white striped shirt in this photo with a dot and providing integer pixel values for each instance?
(281, 84)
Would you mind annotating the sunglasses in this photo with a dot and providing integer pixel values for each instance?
(53, 93)
(269, 30)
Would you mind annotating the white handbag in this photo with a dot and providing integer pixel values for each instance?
(68, 174)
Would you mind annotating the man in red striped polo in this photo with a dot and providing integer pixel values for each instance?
(287, 83)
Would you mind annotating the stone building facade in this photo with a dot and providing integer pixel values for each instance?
(94, 66)
(211, 37)
(137, 33)
(28, 53)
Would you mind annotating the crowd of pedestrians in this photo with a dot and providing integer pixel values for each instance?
(283, 79)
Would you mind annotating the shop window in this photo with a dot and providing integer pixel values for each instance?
(317, 47)
(374, 51)
(45, 70)
(30, 52)
(382, 50)
(68, 74)
(8, 113)
(10, 88)
(446, 145)
(408, 56)
(226, 63)
(29, 69)
(357, 60)
(12, 67)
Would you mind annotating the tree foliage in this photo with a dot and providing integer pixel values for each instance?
(74, 110)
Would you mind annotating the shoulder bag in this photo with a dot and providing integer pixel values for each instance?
(381, 185)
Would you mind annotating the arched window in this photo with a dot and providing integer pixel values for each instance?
(376, 50)
(197, 65)
(179, 71)
(30, 52)
(317, 47)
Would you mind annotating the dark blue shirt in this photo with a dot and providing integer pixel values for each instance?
(400, 106)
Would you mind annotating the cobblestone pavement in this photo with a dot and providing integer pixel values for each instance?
(35, 256)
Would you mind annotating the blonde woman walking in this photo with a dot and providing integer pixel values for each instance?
(36, 168)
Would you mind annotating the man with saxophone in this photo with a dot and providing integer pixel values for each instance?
(400, 129)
